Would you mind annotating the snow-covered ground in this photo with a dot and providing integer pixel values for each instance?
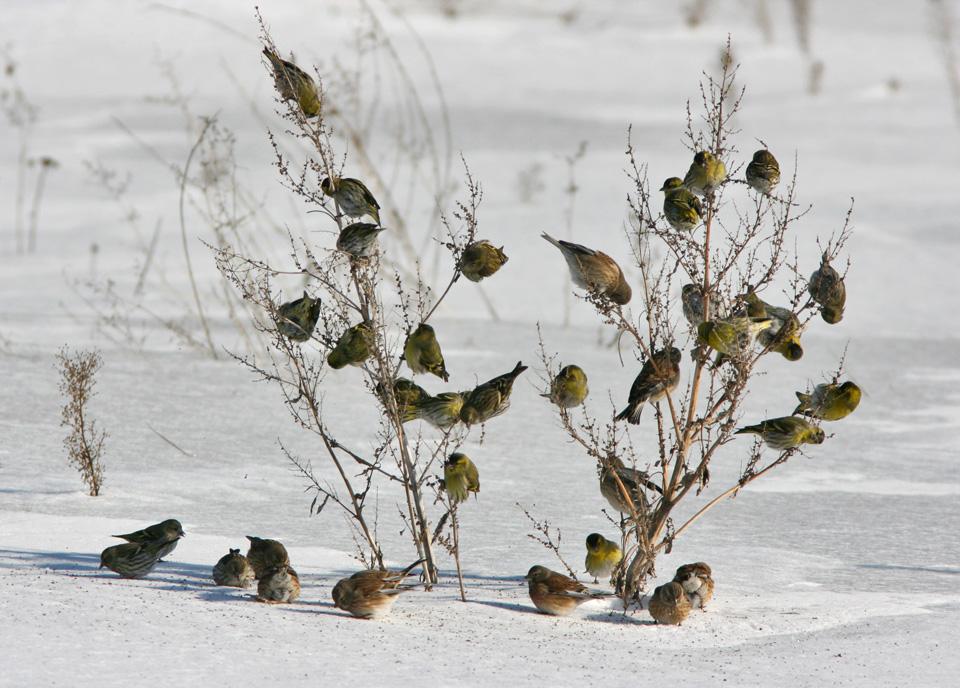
(840, 569)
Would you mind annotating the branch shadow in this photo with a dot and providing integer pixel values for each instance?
(509, 606)
(947, 570)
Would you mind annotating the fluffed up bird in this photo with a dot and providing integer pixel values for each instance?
(266, 554)
(359, 240)
(132, 559)
(294, 84)
(278, 585)
(659, 376)
(692, 301)
(783, 335)
(481, 259)
(763, 172)
(422, 352)
(635, 482)
(569, 387)
(441, 411)
(353, 347)
(353, 197)
(731, 337)
(166, 534)
(681, 207)
(603, 555)
(296, 319)
(697, 582)
(669, 604)
(555, 594)
(233, 570)
(460, 477)
(407, 394)
(827, 289)
(829, 401)
(490, 398)
(706, 173)
(388, 577)
(594, 270)
(785, 433)
(366, 597)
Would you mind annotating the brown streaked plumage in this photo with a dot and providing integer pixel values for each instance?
(264, 554)
(132, 559)
(278, 585)
(555, 594)
(233, 570)
(166, 533)
(635, 481)
(669, 604)
(697, 582)
(594, 270)
(659, 376)
(366, 596)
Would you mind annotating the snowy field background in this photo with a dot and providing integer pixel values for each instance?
(840, 569)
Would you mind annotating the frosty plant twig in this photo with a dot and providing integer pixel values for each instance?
(84, 443)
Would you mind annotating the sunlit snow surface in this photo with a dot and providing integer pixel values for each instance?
(840, 569)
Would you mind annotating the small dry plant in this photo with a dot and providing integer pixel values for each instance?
(84, 444)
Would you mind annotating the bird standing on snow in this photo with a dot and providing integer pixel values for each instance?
(265, 554)
(670, 604)
(233, 570)
(165, 534)
(353, 197)
(278, 585)
(603, 555)
(555, 594)
(594, 270)
(132, 559)
(366, 597)
(697, 582)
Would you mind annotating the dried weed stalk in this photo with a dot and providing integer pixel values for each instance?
(84, 444)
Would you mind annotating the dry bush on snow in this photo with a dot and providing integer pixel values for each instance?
(84, 444)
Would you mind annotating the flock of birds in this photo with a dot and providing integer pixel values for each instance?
(371, 593)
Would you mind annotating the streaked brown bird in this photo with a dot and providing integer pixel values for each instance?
(359, 240)
(278, 585)
(692, 300)
(265, 554)
(296, 319)
(353, 197)
(558, 595)
(827, 289)
(669, 604)
(388, 577)
(366, 597)
(635, 481)
(443, 410)
(763, 172)
(132, 559)
(697, 582)
(481, 259)
(233, 570)
(594, 270)
(659, 376)
(294, 84)
(490, 398)
(166, 534)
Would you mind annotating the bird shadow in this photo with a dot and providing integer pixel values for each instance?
(509, 606)
(948, 570)
(619, 618)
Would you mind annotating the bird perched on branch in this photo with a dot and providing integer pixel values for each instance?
(558, 595)
(659, 376)
(707, 172)
(783, 335)
(265, 554)
(353, 347)
(481, 259)
(359, 240)
(569, 387)
(594, 271)
(490, 398)
(681, 207)
(407, 394)
(278, 585)
(829, 401)
(603, 555)
(366, 597)
(669, 604)
(353, 197)
(827, 289)
(786, 432)
(165, 534)
(233, 570)
(422, 352)
(763, 172)
(441, 411)
(132, 559)
(692, 301)
(633, 480)
(697, 582)
(460, 477)
(733, 336)
(296, 319)
(294, 84)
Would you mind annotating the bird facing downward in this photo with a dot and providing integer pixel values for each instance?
(265, 554)
(659, 376)
(490, 398)
(670, 604)
(830, 401)
(366, 597)
(294, 84)
(555, 594)
(786, 432)
(278, 585)
(594, 271)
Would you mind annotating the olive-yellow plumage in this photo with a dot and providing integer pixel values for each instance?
(422, 352)
(294, 84)
(296, 319)
(829, 401)
(353, 197)
(353, 348)
(786, 432)
(569, 388)
(460, 477)
(707, 172)
(602, 556)
(481, 259)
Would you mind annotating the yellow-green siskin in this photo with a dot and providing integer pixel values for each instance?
(659, 376)
(697, 582)
(132, 559)
(265, 554)
(460, 477)
(603, 556)
(278, 585)
(827, 289)
(669, 604)
(353, 347)
(296, 319)
(594, 270)
(166, 534)
(407, 395)
(441, 411)
(681, 208)
(783, 335)
(763, 172)
(233, 570)
(294, 84)
(706, 173)
(633, 480)
(353, 197)
(692, 300)
(731, 336)
(481, 259)
(359, 240)
(490, 398)
(830, 401)
(422, 353)
(786, 432)
(569, 388)
(555, 594)
(366, 597)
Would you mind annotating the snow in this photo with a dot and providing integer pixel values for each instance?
(840, 569)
